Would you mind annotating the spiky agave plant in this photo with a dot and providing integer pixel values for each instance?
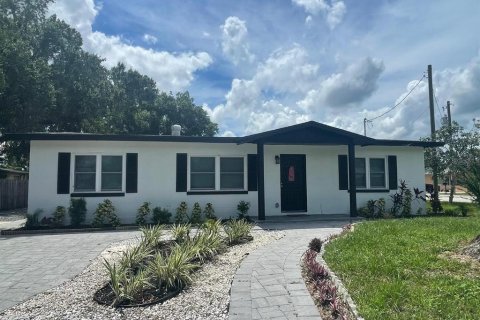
(151, 236)
(212, 225)
(181, 232)
(205, 245)
(237, 230)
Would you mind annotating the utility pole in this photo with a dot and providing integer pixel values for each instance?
(365, 127)
(449, 115)
(432, 127)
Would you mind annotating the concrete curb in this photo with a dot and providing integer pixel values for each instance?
(60, 231)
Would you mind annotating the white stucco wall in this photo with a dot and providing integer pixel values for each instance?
(157, 176)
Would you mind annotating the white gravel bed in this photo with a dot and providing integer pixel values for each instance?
(207, 298)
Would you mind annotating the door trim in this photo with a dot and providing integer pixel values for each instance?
(303, 158)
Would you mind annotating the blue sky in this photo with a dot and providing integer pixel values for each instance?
(258, 65)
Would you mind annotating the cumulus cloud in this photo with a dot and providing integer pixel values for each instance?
(248, 103)
(172, 72)
(352, 86)
(148, 38)
(333, 11)
(234, 40)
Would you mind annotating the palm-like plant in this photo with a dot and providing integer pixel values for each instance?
(151, 236)
(181, 232)
(237, 230)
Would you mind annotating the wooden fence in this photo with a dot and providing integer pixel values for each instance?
(13, 194)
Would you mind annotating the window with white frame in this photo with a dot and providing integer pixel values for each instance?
(97, 173)
(370, 173)
(217, 173)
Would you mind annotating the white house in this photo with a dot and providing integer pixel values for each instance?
(301, 169)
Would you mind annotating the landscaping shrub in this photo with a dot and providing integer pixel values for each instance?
(243, 207)
(142, 214)
(105, 215)
(374, 209)
(205, 245)
(151, 236)
(238, 231)
(209, 212)
(161, 215)
(59, 216)
(77, 211)
(181, 215)
(212, 226)
(172, 271)
(407, 203)
(196, 217)
(33, 219)
(472, 181)
(464, 210)
(315, 244)
(181, 232)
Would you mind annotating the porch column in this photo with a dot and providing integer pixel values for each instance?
(261, 181)
(351, 177)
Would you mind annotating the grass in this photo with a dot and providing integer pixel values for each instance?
(393, 269)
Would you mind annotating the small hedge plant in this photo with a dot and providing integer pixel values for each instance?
(161, 215)
(142, 213)
(59, 216)
(209, 212)
(196, 216)
(105, 214)
(181, 215)
(77, 211)
(243, 207)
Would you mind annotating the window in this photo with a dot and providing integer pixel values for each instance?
(87, 178)
(370, 173)
(217, 173)
(377, 173)
(360, 173)
(231, 173)
(202, 173)
(85, 173)
(111, 173)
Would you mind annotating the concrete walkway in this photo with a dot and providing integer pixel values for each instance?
(269, 284)
(32, 264)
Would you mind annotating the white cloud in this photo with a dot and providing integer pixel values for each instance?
(248, 103)
(352, 86)
(172, 72)
(333, 11)
(234, 40)
(148, 38)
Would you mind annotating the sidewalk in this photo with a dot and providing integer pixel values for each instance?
(269, 284)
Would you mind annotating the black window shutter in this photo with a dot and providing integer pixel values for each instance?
(342, 172)
(63, 173)
(132, 173)
(181, 172)
(392, 173)
(252, 172)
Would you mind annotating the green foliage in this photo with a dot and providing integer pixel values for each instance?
(59, 215)
(209, 212)
(472, 181)
(374, 209)
(407, 203)
(105, 215)
(33, 219)
(181, 215)
(142, 214)
(161, 215)
(181, 232)
(126, 285)
(403, 264)
(212, 226)
(49, 83)
(196, 216)
(242, 208)
(205, 245)
(132, 258)
(238, 231)
(174, 270)
(77, 211)
(151, 236)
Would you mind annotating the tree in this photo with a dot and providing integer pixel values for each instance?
(453, 160)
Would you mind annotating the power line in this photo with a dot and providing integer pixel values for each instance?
(440, 113)
(414, 87)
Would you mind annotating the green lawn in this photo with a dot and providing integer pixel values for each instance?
(392, 268)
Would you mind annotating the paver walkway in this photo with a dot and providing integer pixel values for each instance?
(32, 264)
(269, 284)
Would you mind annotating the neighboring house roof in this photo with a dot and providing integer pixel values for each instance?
(305, 133)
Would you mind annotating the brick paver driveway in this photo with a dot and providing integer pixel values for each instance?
(32, 264)
(269, 284)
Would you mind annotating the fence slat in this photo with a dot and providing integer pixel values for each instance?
(13, 194)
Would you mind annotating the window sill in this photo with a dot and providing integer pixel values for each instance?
(216, 192)
(371, 191)
(97, 194)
